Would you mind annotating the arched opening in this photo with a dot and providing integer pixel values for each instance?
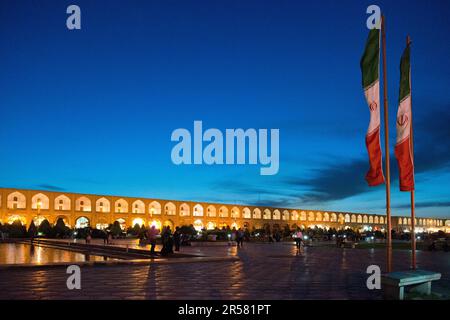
(294, 215)
(40, 202)
(382, 220)
(184, 210)
(198, 225)
(83, 204)
(303, 216)
(102, 205)
(370, 219)
(138, 221)
(210, 225)
(276, 214)
(170, 209)
(246, 213)
(198, 211)
(285, 215)
(62, 202)
(347, 218)
(16, 200)
(267, 214)
(234, 225)
(326, 217)
(333, 217)
(235, 212)
(256, 213)
(365, 220)
(121, 206)
(353, 218)
(359, 219)
(211, 211)
(318, 216)
(82, 222)
(154, 208)
(223, 212)
(138, 207)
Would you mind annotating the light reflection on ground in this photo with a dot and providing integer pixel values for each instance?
(15, 253)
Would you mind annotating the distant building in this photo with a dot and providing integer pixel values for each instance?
(81, 210)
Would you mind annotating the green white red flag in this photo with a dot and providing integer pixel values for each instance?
(403, 149)
(370, 66)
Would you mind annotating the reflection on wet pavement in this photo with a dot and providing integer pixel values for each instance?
(15, 253)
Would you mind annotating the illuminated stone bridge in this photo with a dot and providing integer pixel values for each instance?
(81, 210)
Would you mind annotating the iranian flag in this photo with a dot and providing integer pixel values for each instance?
(370, 65)
(403, 150)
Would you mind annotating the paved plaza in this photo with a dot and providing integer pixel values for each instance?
(263, 271)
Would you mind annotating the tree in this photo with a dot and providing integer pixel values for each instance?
(60, 229)
(32, 230)
(17, 230)
(45, 228)
(116, 230)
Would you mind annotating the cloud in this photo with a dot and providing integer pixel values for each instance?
(425, 204)
(344, 178)
(334, 182)
(50, 187)
(431, 144)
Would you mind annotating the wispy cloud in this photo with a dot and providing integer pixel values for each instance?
(425, 204)
(344, 178)
(50, 187)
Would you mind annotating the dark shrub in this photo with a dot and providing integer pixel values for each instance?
(17, 230)
(32, 230)
(45, 229)
(116, 230)
(60, 229)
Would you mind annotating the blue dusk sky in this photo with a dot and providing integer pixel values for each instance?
(92, 110)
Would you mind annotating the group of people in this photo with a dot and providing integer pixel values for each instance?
(169, 239)
(238, 237)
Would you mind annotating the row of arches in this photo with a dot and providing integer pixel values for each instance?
(421, 222)
(40, 201)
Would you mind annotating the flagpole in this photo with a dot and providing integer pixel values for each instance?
(413, 214)
(386, 146)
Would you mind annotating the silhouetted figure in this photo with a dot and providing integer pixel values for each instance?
(152, 233)
(298, 237)
(177, 238)
(240, 238)
(167, 241)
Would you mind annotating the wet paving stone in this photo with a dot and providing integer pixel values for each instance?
(264, 271)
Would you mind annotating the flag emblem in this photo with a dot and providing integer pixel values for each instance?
(370, 81)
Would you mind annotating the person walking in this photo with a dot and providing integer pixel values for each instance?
(152, 233)
(298, 236)
(177, 238)
(240, 238)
